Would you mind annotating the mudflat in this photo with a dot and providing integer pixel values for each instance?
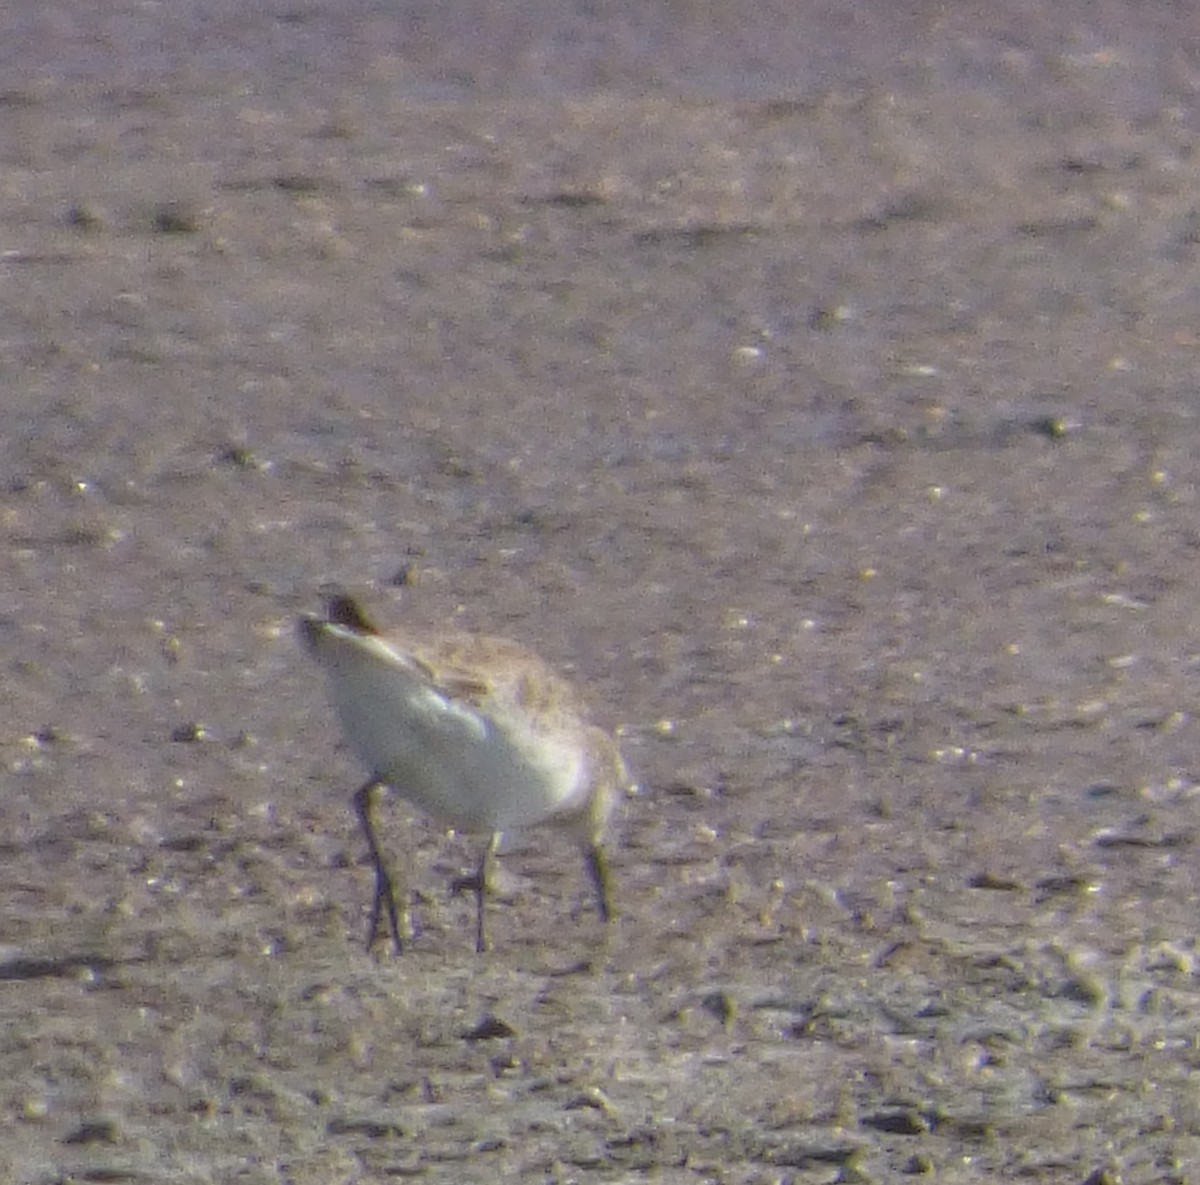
(838, 440)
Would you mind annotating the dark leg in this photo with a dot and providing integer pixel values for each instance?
(597, 866)
(364, 804)
(483, 880)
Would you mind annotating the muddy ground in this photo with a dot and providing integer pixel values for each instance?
(830, 418)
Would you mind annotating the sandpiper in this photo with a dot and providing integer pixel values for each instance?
(476, 731)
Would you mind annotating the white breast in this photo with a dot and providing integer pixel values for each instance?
(471, 769)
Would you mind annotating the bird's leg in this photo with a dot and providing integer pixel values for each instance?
(597, 865)
(385, 895)
(483, 881)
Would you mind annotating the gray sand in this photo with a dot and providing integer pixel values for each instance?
(840, 440)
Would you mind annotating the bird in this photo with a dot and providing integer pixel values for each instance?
(478, 732)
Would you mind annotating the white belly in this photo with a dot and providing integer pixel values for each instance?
(459, 765)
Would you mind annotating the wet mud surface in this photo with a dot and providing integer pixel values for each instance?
(840, 444)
